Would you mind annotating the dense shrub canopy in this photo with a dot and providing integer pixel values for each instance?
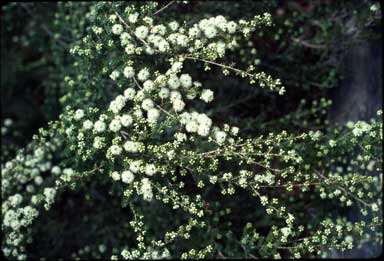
(184, 130)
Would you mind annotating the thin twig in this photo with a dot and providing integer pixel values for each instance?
(309, 45)
(164, 7)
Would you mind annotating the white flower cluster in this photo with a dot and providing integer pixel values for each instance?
(361, 127)
(117, 104)
(79, 114)
(22, 217)
(134, 166)
(157, 39)
(207, 95)
(196, 122)
(220, 136)
(150, 169)
(67, 174)
(133, 146)
(115, 150)
(99, 126)
(153, 115)
(16, 216)
(114, 75)
(126, 176)
(49, 194)
(146, 189)
(117, 29)
(141, 32)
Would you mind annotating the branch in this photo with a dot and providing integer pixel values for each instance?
(164, 7)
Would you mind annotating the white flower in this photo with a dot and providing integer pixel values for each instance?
(148, 20)
(360, 127)
(49, 194)
(79, 114)
(115, 125)
(163, 93)
(234, 131)
(210, 31)
(194, 31)
(175, 95)
(112, 18)
(243, 182)
(147, 104)
(143, 74)
(163, 46)
(177, 66)
(140, 95)
(132, 18)
(203, 119)
(152, 38)
(148, 85)
(134, 166)
(132, 146)
(117, 104)
(182, 40)
(150, 169)
(203, 23)
(178, 105)
(116, 150)
(191, 126)
(173, 25)
(124, 38)
(180, 136)
(141, 32)
(161, 80)
(220, 48)
(231, 27)
(286, 231)
(149, 50)
(117, 29)
(220, 137)
(203, 130)
(130, 48)
(127, 176)
(115, 175)
(159, 29)
(56, 170)
(126, 120)
(186, 80)
(114, 75)
(87, 124)
(206, 95)
(129, 72)
(185, 117)
(198, 44)
(130, 93)
(349, 239)
(374, 207)
(138, 113)
(174, 82)
(98, 143)
(146, 189)
(220, 22)
(16, 199)
(191, 94)
(152, 115)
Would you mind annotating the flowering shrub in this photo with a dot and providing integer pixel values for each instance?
(138, 146)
